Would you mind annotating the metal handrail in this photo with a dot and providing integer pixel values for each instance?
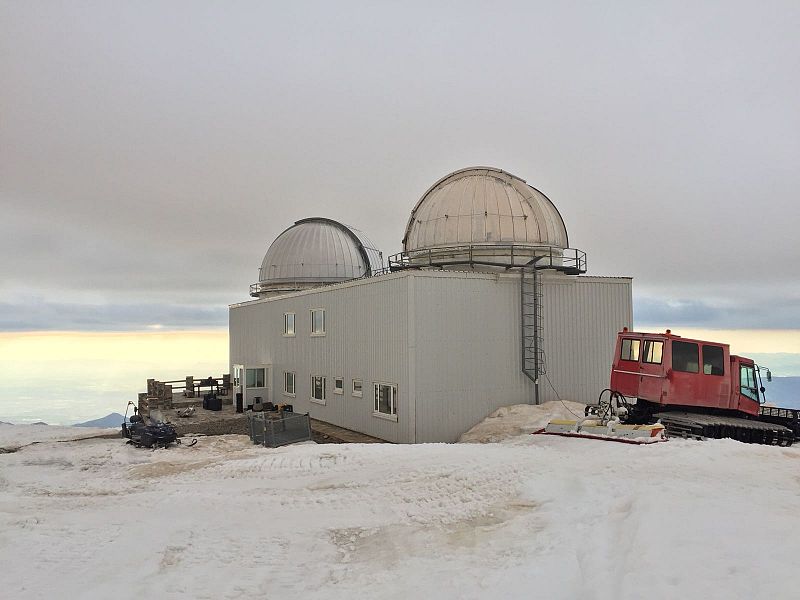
(562, 259)
(256, 288)
(569, 260)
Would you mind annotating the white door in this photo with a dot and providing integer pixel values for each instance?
(238, 382)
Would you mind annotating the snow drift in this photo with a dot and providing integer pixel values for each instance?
(520, 419)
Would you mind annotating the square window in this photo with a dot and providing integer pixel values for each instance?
(713, 360)
(652, 352)
(288, 324)
(255, 378)
(386, 401)
(357, 387)
(288, 383)
(338, 385)
(630, 350)
(318, 321)
(685, 357)
(318, 389)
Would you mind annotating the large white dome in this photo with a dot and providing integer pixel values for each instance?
(315, 252)
(484, 206)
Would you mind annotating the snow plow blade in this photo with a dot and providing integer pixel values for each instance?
(593, 429)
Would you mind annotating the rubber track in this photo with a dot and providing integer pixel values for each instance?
(694, 425)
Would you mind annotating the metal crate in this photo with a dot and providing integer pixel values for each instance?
(273, 429)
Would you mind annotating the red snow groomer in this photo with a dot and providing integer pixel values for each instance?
(693, 388)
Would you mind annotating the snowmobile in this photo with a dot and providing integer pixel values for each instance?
(147, 433)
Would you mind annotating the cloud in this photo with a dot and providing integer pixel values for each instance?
(45, 315)
(768, 312)
(148, 159)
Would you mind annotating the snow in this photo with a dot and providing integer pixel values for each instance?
(530, 517)
(519, 419)
(13, 437)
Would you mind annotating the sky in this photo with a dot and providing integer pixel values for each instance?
(151, 151)
(71, 377)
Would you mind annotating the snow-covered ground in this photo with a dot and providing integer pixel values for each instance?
(13, 437)
(529, 517)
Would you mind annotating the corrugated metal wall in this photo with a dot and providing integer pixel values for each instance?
(468, 344)
(582, 316)
(366, 338)
(449, 340)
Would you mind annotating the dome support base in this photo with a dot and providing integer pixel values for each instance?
(509, 256)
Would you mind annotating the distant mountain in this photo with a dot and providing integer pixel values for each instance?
(4, 423)
(112, 420)
(783, 391)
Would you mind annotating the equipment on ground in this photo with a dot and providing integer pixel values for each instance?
(148, 433)
(693, 388)
(602, 421)
(212, 402)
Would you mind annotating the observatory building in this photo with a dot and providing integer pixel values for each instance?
(486, 306)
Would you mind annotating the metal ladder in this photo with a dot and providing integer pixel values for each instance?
(533, 357)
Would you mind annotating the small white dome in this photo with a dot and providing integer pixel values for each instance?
(484, 206)
(315, 252)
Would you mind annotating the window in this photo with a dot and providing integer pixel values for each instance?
(357, 385)
(338, 385)
(630, 350)
(747, 378)
(288, 383)
(288, 324)
(318, 321)
(386, 400)
(254, 378)
(318, 389)
(713, 360)
(652, 351)
(685, 357)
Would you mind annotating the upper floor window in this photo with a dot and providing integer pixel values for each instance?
(713, 360)
(338, 385)
(317, 321)
(685, 357)
(254, 378)
(652, 351)
(630, 349)
(357, 388)
(288, 324)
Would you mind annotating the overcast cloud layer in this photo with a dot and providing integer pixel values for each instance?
(151, 151)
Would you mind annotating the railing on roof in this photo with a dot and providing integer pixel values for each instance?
(506, 256)
(257, 289)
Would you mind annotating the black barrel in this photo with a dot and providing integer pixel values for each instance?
(239, 402)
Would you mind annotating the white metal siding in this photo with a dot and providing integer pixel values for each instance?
(582, 316)
(468, 344)
(365, 338)
(467, 351)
